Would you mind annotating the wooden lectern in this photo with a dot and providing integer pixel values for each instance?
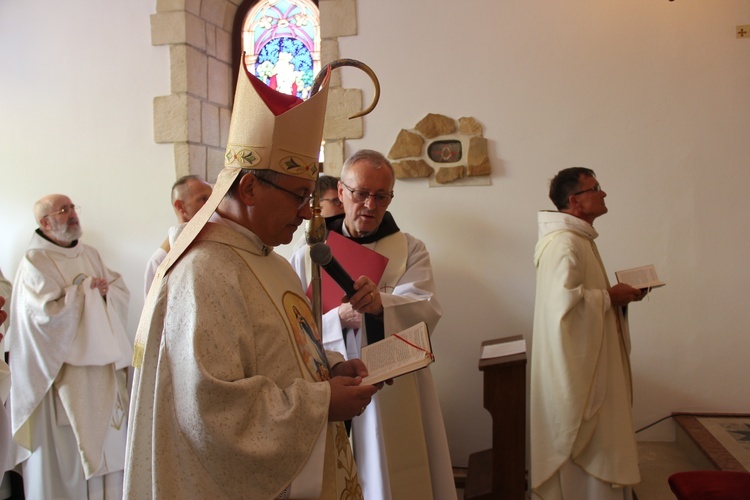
(500, 472)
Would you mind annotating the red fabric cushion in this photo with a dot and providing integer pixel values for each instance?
(710, 485)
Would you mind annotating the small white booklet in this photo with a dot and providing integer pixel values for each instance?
(640, 277)
(503, 348)
(398, 354)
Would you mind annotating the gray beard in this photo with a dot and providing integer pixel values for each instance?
(63, 232)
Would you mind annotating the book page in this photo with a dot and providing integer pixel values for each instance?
(396, 356)
(503, 349)
(639, 277)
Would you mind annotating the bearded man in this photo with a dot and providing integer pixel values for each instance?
(68, 350)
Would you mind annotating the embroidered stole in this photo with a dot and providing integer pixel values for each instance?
(339, 461)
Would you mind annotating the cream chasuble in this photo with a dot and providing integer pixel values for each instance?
(581, 389)
(232, 382)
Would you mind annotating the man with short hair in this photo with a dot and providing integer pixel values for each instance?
(69, 350)
(233, 395)
(399, 441)
(582, 436)
(189, 194)
(330, 204)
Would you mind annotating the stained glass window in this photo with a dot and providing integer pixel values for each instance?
(281, 41)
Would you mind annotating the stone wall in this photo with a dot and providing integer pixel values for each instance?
(195, 115)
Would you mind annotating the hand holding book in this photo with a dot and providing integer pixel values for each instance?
(398, 354)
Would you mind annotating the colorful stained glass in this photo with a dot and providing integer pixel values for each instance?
(281, 40)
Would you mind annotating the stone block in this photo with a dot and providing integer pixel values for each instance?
(197, 159)
(337, 18)
(178, 68)
(210, 40)
(446, 175)
(469, 126)
(194, 119)
(181, 159)
(169, 5)
(188, 70)
(168, 27)
(334, 157)
(219, 76)
(214, 162)
(195, 31)
(189, 159)
(407, 144)
(193, 6)
(225, 116)
(343, 103)
(224, 46)
(170, 118)
(478, 161)
(210, 125)
(212, 11)
(229, 14)
(434, 125)
(411, 169)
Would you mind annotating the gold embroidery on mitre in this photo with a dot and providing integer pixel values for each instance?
(297, 166)
(242, 156)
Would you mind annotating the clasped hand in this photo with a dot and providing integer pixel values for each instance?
(349, 397)
(101, 284)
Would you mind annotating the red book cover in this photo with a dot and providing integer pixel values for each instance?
(356, 260)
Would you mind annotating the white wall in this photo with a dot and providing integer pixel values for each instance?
(651, 94)
(76, 88)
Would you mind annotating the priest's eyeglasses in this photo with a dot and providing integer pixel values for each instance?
(380, 199)
(594, 189)
(65, 210)
(302, 200)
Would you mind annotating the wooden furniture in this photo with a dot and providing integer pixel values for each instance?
(500, 472)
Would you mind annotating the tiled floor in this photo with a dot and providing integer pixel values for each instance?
(659, 460)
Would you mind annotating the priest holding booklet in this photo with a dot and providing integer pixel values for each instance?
(400, 445)
(582, 436)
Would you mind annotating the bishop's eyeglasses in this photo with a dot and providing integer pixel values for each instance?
(302, 200)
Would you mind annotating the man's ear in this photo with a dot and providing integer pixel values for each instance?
(44, 224)
(246, 189)
(179, 207)
(573, 202)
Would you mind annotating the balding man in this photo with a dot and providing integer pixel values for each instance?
(68, 350)
(189, 194)
(399, 441)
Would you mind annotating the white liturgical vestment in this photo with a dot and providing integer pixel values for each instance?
(68, 349)
(581, 427)
(399, 442)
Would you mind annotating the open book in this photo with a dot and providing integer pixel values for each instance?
(640, 277)
(398, 354)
